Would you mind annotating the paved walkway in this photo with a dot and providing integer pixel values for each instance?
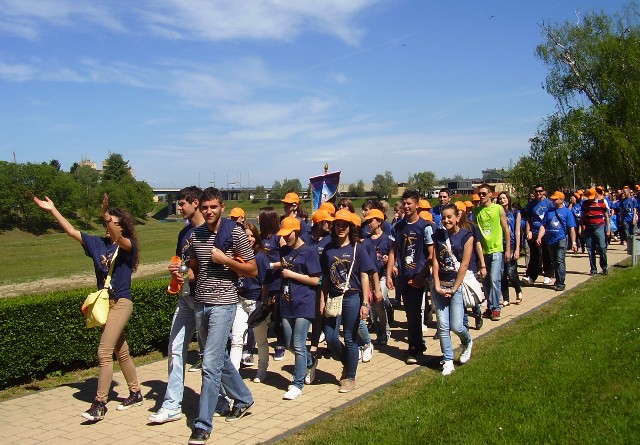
(54, 416)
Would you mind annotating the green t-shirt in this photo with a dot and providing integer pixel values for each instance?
(488, 219)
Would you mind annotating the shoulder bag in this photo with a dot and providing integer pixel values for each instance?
(96, 306)
(333, 305)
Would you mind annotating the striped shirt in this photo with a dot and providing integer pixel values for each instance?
(217, 284)
(593, 213)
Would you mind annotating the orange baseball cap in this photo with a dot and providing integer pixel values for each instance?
(291, 198)
(468, 203)
(591, 194)
(557, 195)
(288, 225)
(460, 206)
(424, 204)
(375, 213)
(475, 198)
(356, 219)
(343, 215)
(328, 207)
(321, 215)
(426, 215)
(236, 212)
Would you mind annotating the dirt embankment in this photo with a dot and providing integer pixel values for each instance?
(45, 285)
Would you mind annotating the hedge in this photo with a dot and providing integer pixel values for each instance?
(41, 334)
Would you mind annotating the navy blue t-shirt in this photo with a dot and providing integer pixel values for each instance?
(382, 246)
(319, 244)
(274, 276)
(251, 287)
(411, 252)
(101, 251)
(336, 262)
(298, 300)
(446, 264)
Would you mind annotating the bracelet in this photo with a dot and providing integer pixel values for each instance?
(365, 304)
(483, 267)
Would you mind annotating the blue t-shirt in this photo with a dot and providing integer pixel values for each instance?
(535, 212)
(274, 276)
(251, 287)
(436, 212)
(576, 211)
(382, 246)
(446, 265)
(336, 262)
(319, 244)
(626, 209)
(557, 223)
(101, 251)
(411, 252)
(512, 216)
(299, 300)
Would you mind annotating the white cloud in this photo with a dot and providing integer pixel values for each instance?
(339, 78)
(17, 73)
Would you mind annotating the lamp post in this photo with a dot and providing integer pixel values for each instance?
(573, 167)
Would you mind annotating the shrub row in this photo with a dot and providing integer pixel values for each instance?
(41, 334)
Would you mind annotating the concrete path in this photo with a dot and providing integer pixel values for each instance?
(53, 416)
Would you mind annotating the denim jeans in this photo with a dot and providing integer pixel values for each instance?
(493, 281)
(627, 230)
(449, 312)
(558, 253)
(295, 339)
(413, 308)
(347, 353)
(214, 323)
(595, 238)
(380, 322)
(182, 328)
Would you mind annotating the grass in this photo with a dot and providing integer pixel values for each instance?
(567, 373)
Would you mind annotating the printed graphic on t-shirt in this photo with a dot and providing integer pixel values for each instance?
(409, 251)
(338, 271)
(445, 261)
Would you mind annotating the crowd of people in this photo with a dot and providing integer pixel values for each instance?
(326, 279)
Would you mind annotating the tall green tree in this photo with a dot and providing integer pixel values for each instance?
(422, 181)
(384, 186)
(594, 76)
(116, 168)
(357, 189)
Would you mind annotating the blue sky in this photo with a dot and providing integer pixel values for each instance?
(197, 92)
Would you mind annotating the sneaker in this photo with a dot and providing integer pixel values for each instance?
(199, 436)
(260, 377)
(134, 399)
(279, 353)
(322, 338)
(367, 353)
(547, 280)
(559, 287)
(466, 352)
(479, 321)
(96, 411)
(347, 385)
(447, 367)
(605, 271)
(310, 376)
(495, 315)
(197, 366)
(527, 281)
(487, 313)
(436, 336)
(247, 360)
(293, 392)
(165, 415)
(412, 359)
(238, 412)
(593, 272)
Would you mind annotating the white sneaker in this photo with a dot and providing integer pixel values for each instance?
(547, 280)
(527, 280)
(466, 352)
(260, 377)
(448, 367)
(310, 376)
(322, 338)
(293, 392)
(165, 415)
(367, 353)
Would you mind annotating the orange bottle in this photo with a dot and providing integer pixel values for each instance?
(174, 285)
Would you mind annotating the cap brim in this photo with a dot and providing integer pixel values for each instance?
(285, 232)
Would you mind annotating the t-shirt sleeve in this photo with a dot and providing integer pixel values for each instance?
(364, 262)
(263, 267)
(312, 262)
(241, 246)
(428, 235)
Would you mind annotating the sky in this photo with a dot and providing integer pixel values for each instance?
(242, 93)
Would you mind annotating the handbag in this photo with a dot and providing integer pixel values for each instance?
(470, 287)
(259, 314)
(333, 305)
(95, 307)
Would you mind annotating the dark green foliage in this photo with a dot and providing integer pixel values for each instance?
(44, 333)
(384, 186)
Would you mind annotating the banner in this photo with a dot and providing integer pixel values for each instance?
(324, 188)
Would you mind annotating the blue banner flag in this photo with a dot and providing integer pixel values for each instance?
(324, 188)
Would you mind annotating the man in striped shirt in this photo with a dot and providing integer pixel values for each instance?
(220, 254)
(594, 222)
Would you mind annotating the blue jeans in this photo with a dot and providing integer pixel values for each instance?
(182, 327)
(595, 238)
(413, 309)
(214, 323)
(348, 352)
(295, 339)
(493, 281)
(558, 253)
(450, 312)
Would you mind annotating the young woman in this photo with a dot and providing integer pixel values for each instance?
(120, 234)
(251, 289)
(300, 267)
(382, 245)
(337, 259)
(510, 272)
(453, 252)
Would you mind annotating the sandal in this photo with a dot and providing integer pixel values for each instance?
(505, 303)
(518, 299)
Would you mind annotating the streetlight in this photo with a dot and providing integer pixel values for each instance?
(573, 167)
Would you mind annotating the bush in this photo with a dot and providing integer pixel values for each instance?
(44, 333)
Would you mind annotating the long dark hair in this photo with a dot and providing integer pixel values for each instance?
(128, 230)
(258, 245)
(268, 221)
(354, 235)
(509, 206)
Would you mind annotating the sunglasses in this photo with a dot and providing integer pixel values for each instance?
(539, 191)
(482, 194)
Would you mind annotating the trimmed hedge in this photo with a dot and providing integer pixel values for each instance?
(40, 334)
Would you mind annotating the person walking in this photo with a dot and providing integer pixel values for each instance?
(595, 226)
(534, 212)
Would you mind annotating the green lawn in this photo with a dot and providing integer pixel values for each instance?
(567, 373)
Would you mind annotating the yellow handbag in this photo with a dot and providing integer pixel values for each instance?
(96, 306)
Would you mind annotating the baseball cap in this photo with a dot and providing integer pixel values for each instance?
(591, 193)
(557, 195)
(288, 225)
(344, 215)
(426, 215)
(475, 198)
(236, 212)
(321, 215)
(291, 198)
(424, 204)
(375, 213)
(468, 203)
(328, 207)
(460, 206)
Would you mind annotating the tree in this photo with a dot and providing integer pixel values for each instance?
(422, 182)
(261, 193)
(278, 190)
(357, 189)
(384, 186)
(87, 179)
(116, 168)
(56, 164)
(594, 76)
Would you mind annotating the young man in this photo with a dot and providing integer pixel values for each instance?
(534, 212)
(595, 222)
(444, 197)
(220, 254)
(556, 225)
(411, 248)
(184, 321)
(628, 215)
(494, 228)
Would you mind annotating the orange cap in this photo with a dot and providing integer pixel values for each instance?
(328, 207)
(426, 215)
(469, 204)
(291, 198)
(591, 194)
(424, 204)
(288, 225)
(460, 206)
(375, 213)
(321, 215)
(356, 219)
(475, 198)
(236, 212)
(557, 195)
(343, 215)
